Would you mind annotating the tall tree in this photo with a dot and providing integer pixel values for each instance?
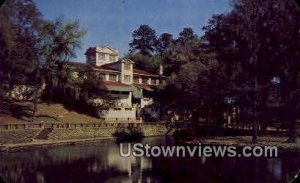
(253, 46)
(57, 44)
(182, 51)
(144, 40)
(164, 43)
(20, 21)
(31, 46)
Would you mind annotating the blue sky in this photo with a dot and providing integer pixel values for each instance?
(111, 22)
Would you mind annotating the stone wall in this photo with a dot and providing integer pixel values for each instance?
(27, 133)
(18, 136)
(80, 133)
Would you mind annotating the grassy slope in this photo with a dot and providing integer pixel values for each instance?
(53, 113)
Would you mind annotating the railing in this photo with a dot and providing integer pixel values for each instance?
(14, 126)
(250, 127)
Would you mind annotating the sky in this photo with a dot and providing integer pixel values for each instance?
(111, 22)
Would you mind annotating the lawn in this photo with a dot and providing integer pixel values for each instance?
(52, 113)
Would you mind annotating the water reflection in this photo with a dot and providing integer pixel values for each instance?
(101, 162)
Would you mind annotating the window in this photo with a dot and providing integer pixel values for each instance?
(127, 66)
(145, 80)
(112, 77)
(136, 80)
(128, 109)
(101, 56)
(112, 58)
(127, 78)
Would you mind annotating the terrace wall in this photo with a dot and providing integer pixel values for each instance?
(23, 133)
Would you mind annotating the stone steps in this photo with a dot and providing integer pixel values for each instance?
(44, 134)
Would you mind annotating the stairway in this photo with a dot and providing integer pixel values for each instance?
(43, 135)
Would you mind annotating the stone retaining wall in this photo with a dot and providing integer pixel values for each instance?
(24, 133)
(80, 133)
(18, 136)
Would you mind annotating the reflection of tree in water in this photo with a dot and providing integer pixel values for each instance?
(99, 162)
(136, 170)
(233, 170)
(59, 164)
(80, 170)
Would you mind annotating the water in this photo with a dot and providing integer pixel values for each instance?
(101, 162)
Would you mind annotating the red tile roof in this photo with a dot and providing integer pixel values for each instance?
(142, 72)
(107, 67)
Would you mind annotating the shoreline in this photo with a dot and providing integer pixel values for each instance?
(242, 141)
(238, 141)
(15, 147)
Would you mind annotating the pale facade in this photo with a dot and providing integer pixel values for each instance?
(131, 88)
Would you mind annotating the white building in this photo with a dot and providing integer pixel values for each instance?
(131, 88)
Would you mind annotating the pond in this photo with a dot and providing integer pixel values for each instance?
(101, 162)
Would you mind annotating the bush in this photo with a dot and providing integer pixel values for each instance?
(182, 134)
(129, 135)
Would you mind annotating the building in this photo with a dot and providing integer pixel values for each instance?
(132, 89)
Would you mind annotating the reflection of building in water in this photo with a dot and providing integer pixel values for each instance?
(102, 159)
(16, 166)
(134, 166)
(275, 168)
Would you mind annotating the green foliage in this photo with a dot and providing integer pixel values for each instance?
(59, 40)
(129, 135)
(144, 40)
(149, 63)
(34, 50)
(164, 43)
(19, 25)
(254, 43)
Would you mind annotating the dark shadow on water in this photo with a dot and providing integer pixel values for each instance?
(101, 162)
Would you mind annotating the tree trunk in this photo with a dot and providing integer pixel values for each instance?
(38, 89)
(35, 101)
(255, 129)
(292, 132)
(292, 122)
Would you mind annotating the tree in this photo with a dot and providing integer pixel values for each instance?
(190, 77)
(32, 47)
(19, 25)
(145, 62)
(186, 35)
(253, 46)
(164, 43)
(144, 40)
(181, 51)
(57, 44)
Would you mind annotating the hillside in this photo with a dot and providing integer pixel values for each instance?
(20, 112)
